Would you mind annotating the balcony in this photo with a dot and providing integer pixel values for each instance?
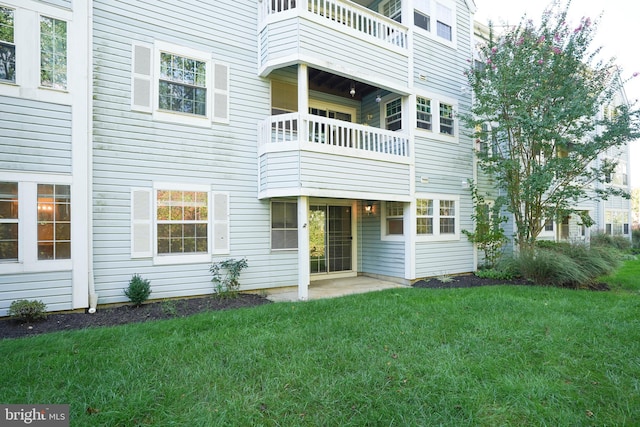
(334, 34)
(302, 154)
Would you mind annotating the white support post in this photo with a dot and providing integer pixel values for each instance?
(303, 89)
(303, 248)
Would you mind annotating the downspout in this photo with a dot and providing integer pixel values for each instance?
(93, 296)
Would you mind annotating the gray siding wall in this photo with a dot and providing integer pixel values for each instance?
(376, 256)
(446, 164)
(35, 137)
(132, 150)
(52, 288)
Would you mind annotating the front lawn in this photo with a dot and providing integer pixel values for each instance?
(499, 355)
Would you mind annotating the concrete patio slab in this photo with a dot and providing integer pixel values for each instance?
(331, 288)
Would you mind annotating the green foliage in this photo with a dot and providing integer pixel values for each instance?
(607, 240)
(225, 276)
(138, 290)
(28, 310)
(489, 235)
(567, 265)
(539, 95)
(635, 238)
(495, 273)
(626, 277)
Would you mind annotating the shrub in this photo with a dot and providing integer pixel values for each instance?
(635, 238)
(29, 311)
(138, 290)
(551, 267)
(227, 284)
(495, 273)
(619, 242)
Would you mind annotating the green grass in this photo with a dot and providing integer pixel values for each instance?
(626, 277)
(479, 357)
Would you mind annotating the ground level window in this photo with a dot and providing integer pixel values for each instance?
(437, 218)
(284, 225)
(424, 216)
(394, 218)
(182, 222)
(8, 221)
(447, 217)
(54, 221)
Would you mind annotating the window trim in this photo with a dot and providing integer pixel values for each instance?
(437, 235)
(384, 232)
(28, 261)
(271, 229)
(436, 102)
(176, 116)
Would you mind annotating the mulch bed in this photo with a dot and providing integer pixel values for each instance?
(119, 315)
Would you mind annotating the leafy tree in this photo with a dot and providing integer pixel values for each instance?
(552, 110)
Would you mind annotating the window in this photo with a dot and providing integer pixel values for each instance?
(444, 22)
(616, 222)
(187, 87)
(394, 218)
(8, 221)
(7, 46)
(393, 114)
(393, 9)
(423, 108)
(35, 223)
(422, 14)
(182, 84)
(54, 222)
(427, 10)
(548, 225)
(53, 53)
(182, 219)
(446, 119)
(447, 217)
(437, 218)
(284, 225)
(179, 223)
(424, 216)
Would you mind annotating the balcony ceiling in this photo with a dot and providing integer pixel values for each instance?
(334, 84)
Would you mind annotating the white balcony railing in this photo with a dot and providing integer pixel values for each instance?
(350, 138)
(343, 12)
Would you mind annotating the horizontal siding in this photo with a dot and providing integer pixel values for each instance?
(59, 3)
(35, 137)
(52, 288)
(334, 172)
(443, 258)
(377, 256)
(321, 45)
(133, 150)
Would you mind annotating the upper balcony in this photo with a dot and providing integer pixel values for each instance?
(303, 154)
(334, 35)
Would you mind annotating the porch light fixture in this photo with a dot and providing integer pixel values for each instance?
(368, 208)
(352, 92)
(378, 98)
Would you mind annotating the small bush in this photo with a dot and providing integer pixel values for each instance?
(495, 273)
(29, 311)
(227, 283)
(138, 290)
(635, 238)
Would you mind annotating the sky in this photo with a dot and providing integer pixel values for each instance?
(615, 33)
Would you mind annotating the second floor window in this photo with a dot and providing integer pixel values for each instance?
(182, 85)
(393, 114)
(7, 46)
(423, 108)
(446, 119)
(53, 53)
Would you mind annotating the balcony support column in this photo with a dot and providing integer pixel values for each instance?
(303, 89)
(304, 275)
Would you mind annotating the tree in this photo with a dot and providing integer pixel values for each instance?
(541, 94)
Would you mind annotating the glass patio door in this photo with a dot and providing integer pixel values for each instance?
(330, 239)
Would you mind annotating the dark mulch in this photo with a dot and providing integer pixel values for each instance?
(471, 280)
(110, 316)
